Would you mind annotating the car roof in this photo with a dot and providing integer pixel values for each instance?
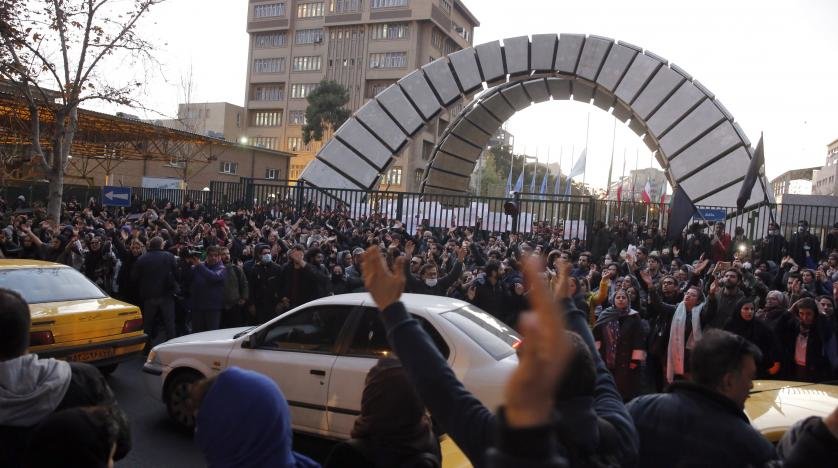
(432, 304)
(15, 263)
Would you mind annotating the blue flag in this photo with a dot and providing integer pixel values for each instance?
(544, 182)
(558, 183)
(534, 175)
(519, 184)
(509, 180)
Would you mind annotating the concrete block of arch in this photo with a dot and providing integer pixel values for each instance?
(355, 136)
(395, 101)
(442, 80)
(516, 52)
(490, 58)
(467, 70)
(543, 51)
(419, 91)
(373, 116)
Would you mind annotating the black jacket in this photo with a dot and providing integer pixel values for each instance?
(692, 425)
(87, 388)
(473, 426)
(154, 274)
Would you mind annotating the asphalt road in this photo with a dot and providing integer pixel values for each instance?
(157, 442)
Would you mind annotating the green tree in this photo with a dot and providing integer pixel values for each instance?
(326, 110)
(57, 54)
(489, 179)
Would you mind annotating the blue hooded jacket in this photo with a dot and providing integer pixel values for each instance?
(244, 422)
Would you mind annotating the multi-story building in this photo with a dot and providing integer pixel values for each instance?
(825, 180)
(365, 45)
(634, 183)
(793, 182)
(213, 119)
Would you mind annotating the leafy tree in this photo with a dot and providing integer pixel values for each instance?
(57, 54)
(490, 184)
(326, 110)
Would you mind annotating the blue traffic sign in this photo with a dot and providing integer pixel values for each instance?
(116, 196)
(713, 214)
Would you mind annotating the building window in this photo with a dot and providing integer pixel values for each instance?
(267, 119)
(270, 40)
(268, 93)
(344, 6)
(309, 63)
(302, 90)
(296, 144)
(388, 60)
(388, 3)
(427, 149)
(446, 5)
(297, 117)
(264, 142)
(296, 170)
(463, 32)
(437, 39)
(449, 47)
(375, 87)
(229, 167)
(269, 65)
(309, 10)
(269, 10)
(417, 177)
(272, 174)
(309, 36)
(389, 31)
(393, 176)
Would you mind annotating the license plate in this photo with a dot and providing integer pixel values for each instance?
(92, 355)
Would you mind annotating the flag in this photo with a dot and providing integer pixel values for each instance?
(681, 210)
(757, 161)
(519, 184)
(620, 194)
(567, 190)
(558, 185)
(579, 167)
(662, 200)
(647, 193)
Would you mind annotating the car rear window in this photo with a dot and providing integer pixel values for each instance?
(38, 285)
(494, 336)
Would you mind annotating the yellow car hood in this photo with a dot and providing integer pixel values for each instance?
(774, 405)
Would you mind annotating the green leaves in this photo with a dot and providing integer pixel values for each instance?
(326, 110)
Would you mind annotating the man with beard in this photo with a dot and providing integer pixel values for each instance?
(235, 292)
(722, 304)
(804, 247)
(429, 281)
(263, 279)
(490, 294)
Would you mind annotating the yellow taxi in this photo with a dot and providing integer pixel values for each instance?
(72, 319)
(774, 405)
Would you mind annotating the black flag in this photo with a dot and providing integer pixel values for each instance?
(751, 177)
(681, 209)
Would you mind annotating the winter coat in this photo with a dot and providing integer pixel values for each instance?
(207, 286)
(758, 333)
(691, 425)
(31, 389)
(629, 347)
(155, 274)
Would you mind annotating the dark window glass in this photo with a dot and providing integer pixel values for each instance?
(371, 339)
(38, 285)
(495, 337)
(314, 330)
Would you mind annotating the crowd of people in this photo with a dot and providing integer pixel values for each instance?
(698, 317)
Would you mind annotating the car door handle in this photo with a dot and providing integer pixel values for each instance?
(321, 373)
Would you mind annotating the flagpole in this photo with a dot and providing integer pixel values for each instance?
(610, 168)
(569, 189)
(622, 181)
(649, 178)
(585, 169)
(634, 182)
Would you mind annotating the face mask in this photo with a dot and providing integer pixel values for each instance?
(431, 282)
(772, 233)
(266, 258)
(801, 229)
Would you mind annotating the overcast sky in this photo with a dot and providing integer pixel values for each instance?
(771, 63)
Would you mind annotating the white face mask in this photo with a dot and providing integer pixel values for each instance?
(266, 258)
(431, 282)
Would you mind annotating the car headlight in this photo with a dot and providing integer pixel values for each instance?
(152, 358)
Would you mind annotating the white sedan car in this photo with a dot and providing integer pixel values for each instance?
(319, 355)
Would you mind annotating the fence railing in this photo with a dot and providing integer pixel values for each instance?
(575, 214)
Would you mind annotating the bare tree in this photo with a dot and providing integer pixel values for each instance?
(59, 54)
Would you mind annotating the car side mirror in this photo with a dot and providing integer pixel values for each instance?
(248, 342)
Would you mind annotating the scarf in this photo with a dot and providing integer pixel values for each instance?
(675, 354)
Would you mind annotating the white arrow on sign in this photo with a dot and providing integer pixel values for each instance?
(119, 196)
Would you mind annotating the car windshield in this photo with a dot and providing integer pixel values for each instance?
(494, 336)
(38, 285)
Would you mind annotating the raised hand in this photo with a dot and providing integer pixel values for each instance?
(461, 253)
(409, 248)
(384, 286)
(471, 293)
(544, 354)
(646, 277)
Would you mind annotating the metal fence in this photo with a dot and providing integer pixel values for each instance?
(574, 214)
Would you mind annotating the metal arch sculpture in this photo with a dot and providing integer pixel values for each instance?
(694, 137)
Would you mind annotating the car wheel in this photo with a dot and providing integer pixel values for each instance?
(108, 370)
(178, 398)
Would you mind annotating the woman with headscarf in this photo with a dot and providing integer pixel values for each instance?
(393, 428)
(744, 324)
(620, 339)
(243, 421)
